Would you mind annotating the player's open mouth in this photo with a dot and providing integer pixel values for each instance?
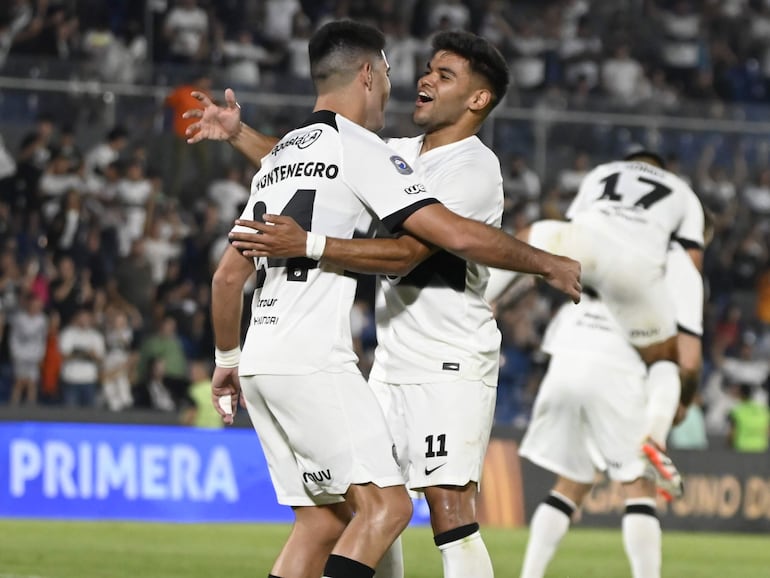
(423, 97)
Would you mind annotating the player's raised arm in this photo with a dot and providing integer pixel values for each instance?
(224, 123)
(481, 243)
(282, 237)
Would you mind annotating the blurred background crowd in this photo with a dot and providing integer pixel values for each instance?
(110, 224)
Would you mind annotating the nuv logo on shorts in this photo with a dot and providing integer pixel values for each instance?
(317, 477)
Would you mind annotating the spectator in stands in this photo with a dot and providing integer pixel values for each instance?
(690, 433)
(580, 55)
(27, 340)
(165, 345)
(179, 101)
(623, 77)
(242, 58)
(200, 412)
(160, 248)
(529, 49)
(749, 422)
(82, 347)
(98, 158)
(521, 185)
(405, 54)
(456, 14)
(186, 29)
(297, 46)
(229, 194)
(69, 290)
(118, 361)
(682, 51)
(133, 280)
(279, 20)
(134, 194)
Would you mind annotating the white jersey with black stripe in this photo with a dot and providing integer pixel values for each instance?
(589, 329)
(327, 174)
(640, 205)
(434, 324)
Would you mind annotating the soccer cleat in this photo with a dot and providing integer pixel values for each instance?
(663, 471)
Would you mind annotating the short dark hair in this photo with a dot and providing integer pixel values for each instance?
(483, 57)
(639, 153)
(345, 39)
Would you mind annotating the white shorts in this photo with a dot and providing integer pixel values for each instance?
(631, 284)
(441, 430)
(320, 433)
(29, 370)
(588, 416)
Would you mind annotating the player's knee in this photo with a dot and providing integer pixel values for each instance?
(451, 506)
(392, 514)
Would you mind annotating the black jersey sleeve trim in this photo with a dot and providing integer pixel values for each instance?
(394, 221)
(321, 117)
(683, 329)
(688, 244)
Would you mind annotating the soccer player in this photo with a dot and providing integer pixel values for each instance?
(587, 416)
(622, 219)
(437, 386)
(324, 436)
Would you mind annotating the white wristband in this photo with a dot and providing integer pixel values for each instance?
(314, 246)
(227, 359)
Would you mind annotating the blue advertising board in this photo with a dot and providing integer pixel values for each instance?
(137, 472)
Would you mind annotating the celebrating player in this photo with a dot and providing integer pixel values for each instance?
(321, 435)
(622, 219)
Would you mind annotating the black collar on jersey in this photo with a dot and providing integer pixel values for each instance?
(322, 117)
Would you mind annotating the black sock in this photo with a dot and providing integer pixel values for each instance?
(455, 534)
(341, 567)
(556, 502)
(272, 576)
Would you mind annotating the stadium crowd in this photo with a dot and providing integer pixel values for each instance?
(105, 264)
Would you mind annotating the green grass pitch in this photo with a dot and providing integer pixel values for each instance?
(44, 549)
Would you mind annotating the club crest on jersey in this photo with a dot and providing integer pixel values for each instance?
(401, 165)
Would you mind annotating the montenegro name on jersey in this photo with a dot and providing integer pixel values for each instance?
(434, 324)
(640, 205)
(327, 174)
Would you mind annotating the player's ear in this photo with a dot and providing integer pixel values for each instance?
(480, 99)
(367, 75)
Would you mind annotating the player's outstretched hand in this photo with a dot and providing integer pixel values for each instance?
(225, 392)
(564, 275)
(214, 122)
(278, 236)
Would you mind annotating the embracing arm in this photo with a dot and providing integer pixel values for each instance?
(283, 237)
(224, 123)
(481, 243)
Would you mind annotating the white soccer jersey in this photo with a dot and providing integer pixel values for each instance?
(685, 283)
(434, 324)
(640, 205)
(326, 174)
(590, 328)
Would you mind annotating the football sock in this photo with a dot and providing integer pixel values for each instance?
(642, 538)
(664, 387)
(392, 563)
(464, 553)
(549, 524)
(272, 576)
(342, 567)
